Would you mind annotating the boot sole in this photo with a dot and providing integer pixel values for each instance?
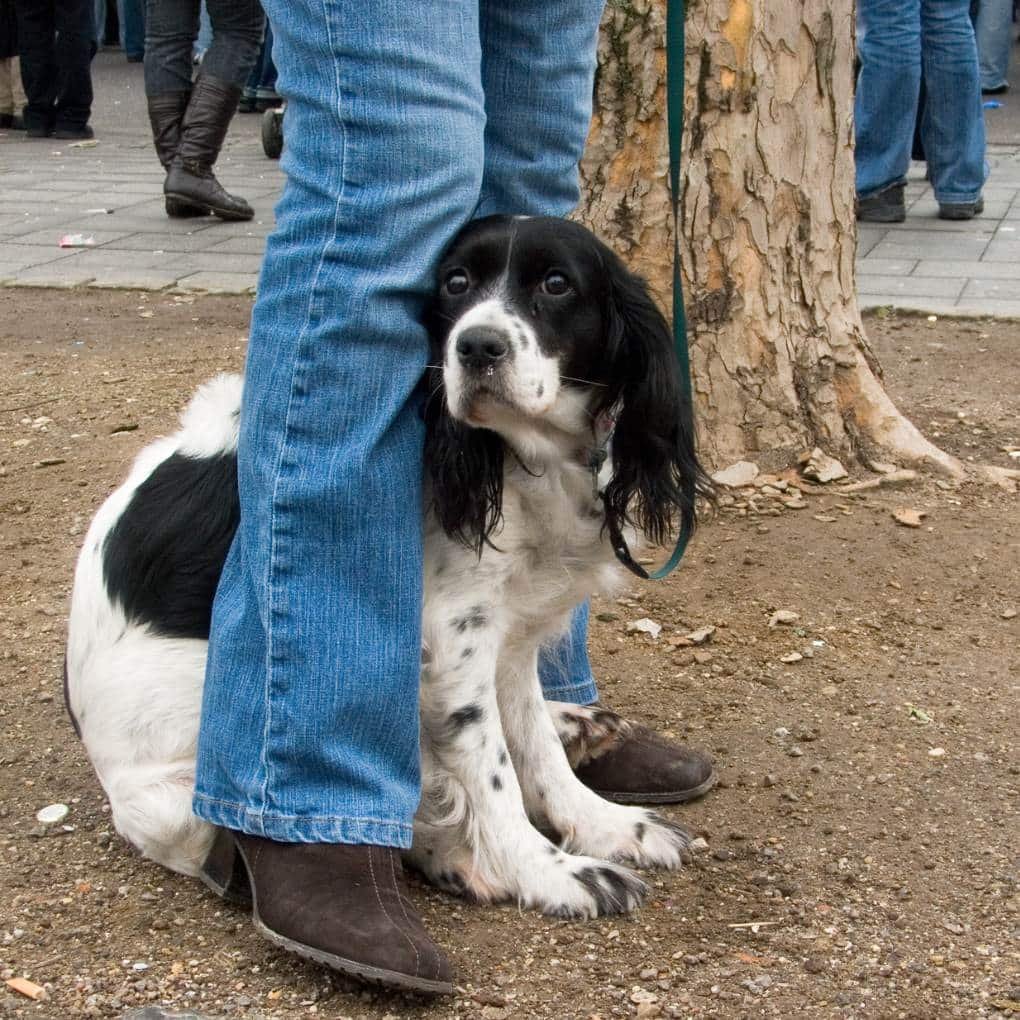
(676, 797)
(231, 889)
(222, 214)
(373, 975)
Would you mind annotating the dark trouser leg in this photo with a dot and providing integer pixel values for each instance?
(171, 27)
(74, 49)
(36, 30)
(238, 27)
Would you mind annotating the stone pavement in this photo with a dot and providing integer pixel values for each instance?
(109, 192)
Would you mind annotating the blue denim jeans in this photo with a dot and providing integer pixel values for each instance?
(131, 17)
(897, 38)
(404, 119)
(994, 31)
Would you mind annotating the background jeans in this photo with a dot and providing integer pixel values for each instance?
(404, 118)
(897, 38)
(171, 28)
(131, 22)
(994, 31)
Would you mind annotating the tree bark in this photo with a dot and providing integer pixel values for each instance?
(768, 232)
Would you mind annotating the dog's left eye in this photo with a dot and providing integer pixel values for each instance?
(456, 282)
(555, 284)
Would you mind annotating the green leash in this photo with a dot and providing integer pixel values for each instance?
(675, 122)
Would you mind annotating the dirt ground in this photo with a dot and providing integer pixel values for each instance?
(861, 857)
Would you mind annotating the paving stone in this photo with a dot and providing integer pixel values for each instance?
(174, 241)
(959, 269)
(23, 256)
(8, 271)
(887, 267)
(1002, 251)
(203, 261)
(907, 302)
(110, 258)
(51, 275)
(133, 279)
(239, 245)
(15, 197)
(219, 283)
(933, 247)
(1000, 289)
(51, 235)
(911, 286)
(989, 307)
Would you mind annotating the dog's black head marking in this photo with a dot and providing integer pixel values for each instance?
(548, 290)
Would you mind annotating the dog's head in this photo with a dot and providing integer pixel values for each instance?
(539, 330)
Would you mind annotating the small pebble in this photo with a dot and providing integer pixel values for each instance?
(52, 814)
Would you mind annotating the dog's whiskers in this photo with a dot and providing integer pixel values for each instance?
(587, 382)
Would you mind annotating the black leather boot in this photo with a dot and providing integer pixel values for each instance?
(203, 129)
(166, 111)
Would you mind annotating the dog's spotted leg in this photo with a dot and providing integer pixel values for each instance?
(556, 798)
(472, 833)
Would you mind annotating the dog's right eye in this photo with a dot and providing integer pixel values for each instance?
(456, 282)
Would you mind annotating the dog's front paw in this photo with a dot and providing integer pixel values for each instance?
(582, 888)
(630, 835)
(653, 842)
(586, 731)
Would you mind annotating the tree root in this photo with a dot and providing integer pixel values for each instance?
(878, 418)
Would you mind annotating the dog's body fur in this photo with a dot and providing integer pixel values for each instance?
(515, 538)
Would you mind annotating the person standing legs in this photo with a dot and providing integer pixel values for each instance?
(308, 753)
(953, 122)
(885, 105)
(190, 121)
(994, 31)
(55, 44)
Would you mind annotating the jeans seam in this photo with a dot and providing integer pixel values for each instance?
(312, 306)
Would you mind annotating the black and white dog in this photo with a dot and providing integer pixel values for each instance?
(549, 351)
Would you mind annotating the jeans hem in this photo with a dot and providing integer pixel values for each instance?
(958, 199)
(303, 829)
(582, 693)
(872, 192)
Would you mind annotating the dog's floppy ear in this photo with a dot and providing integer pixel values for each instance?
(464, 467)
(656, 474)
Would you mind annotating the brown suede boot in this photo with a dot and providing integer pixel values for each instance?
(166, 110)
(343, 906)
(643, 768)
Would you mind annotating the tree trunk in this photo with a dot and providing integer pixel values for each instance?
(768, 232)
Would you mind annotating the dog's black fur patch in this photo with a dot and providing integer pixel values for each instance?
(163, 558)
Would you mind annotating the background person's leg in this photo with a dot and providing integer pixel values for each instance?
(310, 720)
(885, 106)
(994, 31)
(132, 28)
(538, 71)
(170, 30)
(36, 30)
(74, 49)
(953, 123)
(238, 28)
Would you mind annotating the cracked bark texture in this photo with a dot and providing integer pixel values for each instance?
(768, 232)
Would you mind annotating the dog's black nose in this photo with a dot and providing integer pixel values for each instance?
(481, 347)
